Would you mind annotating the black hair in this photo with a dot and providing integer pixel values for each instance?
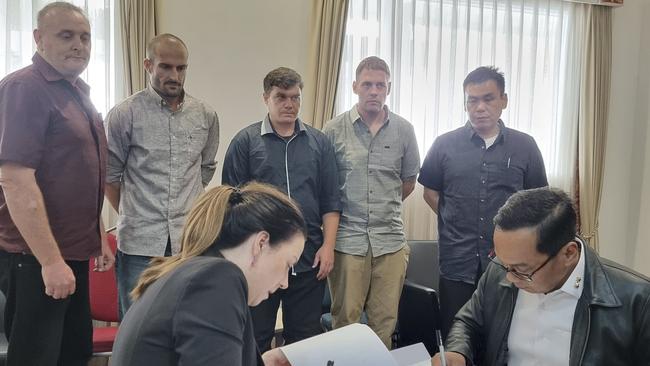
(549, 211)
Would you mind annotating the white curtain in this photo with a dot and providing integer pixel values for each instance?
(431, 45)
(18, 20)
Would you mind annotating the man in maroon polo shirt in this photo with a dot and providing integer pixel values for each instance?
(52, 173)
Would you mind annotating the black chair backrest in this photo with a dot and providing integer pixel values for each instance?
(423, 266)
(418, 316)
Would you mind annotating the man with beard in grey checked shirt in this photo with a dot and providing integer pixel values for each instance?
(162, 143)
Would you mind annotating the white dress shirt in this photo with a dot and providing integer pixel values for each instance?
(540, 331)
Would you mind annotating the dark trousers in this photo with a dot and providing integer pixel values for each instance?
(43, 331)
(453, 295)
(301, 311)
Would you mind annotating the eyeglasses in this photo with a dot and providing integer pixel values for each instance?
(528, 277)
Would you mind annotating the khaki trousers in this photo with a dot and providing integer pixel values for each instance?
(359, 283)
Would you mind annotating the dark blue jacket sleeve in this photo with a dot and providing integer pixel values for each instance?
(236, 168)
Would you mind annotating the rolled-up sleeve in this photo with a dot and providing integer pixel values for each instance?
(208, 155)
(118, 136)
(411, 157)
(330, 200)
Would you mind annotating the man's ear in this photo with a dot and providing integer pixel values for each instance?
(148, 65)
(571, 251)
(37, 38)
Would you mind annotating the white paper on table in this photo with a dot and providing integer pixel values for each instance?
(413, 355)
(352, 345)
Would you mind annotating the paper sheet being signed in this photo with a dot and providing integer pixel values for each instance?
(352, 345)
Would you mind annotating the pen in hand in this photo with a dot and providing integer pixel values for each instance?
(441, 348)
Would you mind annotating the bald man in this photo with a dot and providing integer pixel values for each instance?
(162, 143)
(52, 168)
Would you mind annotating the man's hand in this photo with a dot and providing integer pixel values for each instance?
(325, 258)
(453, 359)
(275, 357)
(58, 279)
(105, 261)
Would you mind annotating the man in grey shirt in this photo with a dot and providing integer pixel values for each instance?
(162, 143)
(378, 161)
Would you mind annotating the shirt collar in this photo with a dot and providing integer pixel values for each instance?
(356, 117)
(576, 281)
(471, 133)
(268, 128)
(155, 97)
(51, 74)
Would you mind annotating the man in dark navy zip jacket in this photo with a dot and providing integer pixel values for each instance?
(283, 151)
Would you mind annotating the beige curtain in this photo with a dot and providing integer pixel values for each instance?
(138, 19)
(327, 33)
(592, 119)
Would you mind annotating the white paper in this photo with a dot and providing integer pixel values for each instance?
(413, 355)
(352, 345)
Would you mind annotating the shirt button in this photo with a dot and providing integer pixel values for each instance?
(480, 218)
(482, 200)
(483, 181)
(484, 164)
(483, 147)
(480, 236)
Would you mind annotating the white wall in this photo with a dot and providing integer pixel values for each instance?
(625, 207)
(233, 45)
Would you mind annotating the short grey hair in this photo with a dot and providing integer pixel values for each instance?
(61, 5)
(152, 45)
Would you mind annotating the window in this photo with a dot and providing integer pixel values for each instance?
(431, 45)
(17, 21)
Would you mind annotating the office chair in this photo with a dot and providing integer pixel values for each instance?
(423, 266)
(104, 305)
(419, 311)
(418, 316)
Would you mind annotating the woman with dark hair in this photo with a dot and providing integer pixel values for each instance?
(238, 246)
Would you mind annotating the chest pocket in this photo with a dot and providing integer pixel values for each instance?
(511, 171)
(196, 140)
(391, 154)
